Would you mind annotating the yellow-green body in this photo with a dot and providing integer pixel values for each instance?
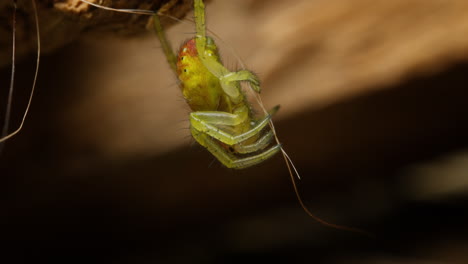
(221, 120)
(201, 89)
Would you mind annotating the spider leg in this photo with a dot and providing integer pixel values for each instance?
(165, 45)
(260, 144)
(239, 116)
(209, 122)
(242, 75)
(228, 159)
(229, 80)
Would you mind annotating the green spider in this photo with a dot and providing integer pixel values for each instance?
(222, 120)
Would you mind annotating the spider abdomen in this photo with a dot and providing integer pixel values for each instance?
(200, 88)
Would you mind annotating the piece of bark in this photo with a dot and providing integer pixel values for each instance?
(64, 21)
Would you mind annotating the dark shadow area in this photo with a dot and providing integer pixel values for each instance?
(175, 208)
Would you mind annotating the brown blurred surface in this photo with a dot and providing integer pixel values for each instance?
(65, 21)
(373, 97)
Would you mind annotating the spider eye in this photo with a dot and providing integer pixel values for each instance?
(185, 70)
(182, 58)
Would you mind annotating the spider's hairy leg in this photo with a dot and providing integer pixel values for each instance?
(228, 159)
(165, 45)
(229, 80)
(242, 75)
(239, 116)
(209, 122)
(260, 144)
(199, 12)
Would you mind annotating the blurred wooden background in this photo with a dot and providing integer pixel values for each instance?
(374, 114)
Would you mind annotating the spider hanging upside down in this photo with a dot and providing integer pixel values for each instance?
(222, 120)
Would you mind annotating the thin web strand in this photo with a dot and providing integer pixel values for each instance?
(38, 37)
(128, 11)
(12, 78)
